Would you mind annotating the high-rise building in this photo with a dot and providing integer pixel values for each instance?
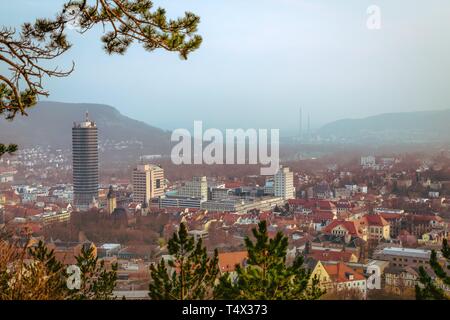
(284, 183)
(197, 188)
(148, 183)
(85, 163)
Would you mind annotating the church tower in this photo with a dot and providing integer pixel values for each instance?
(111, 200)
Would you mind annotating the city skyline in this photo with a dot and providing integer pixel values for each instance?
(301, 152)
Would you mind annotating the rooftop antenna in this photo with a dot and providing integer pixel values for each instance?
(309, 124)
(300, 124)
(87, 116)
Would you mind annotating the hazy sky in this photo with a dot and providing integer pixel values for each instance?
(263, 59)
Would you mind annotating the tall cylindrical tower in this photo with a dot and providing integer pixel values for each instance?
(85, 163)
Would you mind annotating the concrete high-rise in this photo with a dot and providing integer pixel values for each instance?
(284, 184)
(197, 188)
(148, 183)
(85, 163)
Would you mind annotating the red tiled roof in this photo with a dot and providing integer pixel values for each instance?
(31, 226)
(418, 217)
(350, 226)
(232, 185)
(328, 255)
(20, 211)
(340, 272)
(230, 218)
(375, 220)
(319, 216)
(303, 203)
(326, 205)
(229, 260)
(173, 209)
(390, 216)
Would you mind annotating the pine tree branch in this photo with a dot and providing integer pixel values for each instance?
(24, 53)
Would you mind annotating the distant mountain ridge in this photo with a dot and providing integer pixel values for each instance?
(421, 126)
(50, 123)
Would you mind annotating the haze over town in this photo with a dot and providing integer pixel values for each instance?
(328, 179)
(267, 58)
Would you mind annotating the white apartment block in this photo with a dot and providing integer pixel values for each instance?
(197, 188)
(284, 184)
(368, 161)
(148, 183)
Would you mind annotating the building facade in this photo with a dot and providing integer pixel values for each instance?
(148, 183)
(241, 205)
(178, 202)
(284, 184)
(197, 188)
(404, 257)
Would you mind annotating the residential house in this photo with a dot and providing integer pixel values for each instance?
(347, 229)
(401, 280)
(378, 228)
(336, 277)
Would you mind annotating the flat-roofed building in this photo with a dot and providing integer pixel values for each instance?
(198, 234)
(404, 257)
(197, 188)
(243, 205)
(50, 217)
(178, 202)
(220, 193)
(108, 250)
